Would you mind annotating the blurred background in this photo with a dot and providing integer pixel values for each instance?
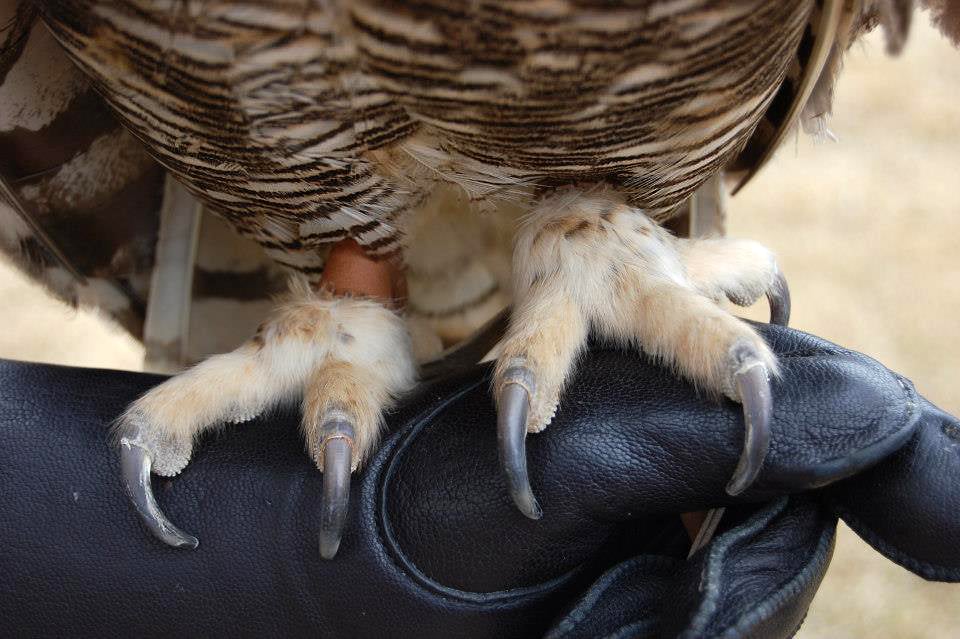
(867, 232)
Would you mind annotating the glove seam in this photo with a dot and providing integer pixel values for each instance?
(718, 549)
(773, 603)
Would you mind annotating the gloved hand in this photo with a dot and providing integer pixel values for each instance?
(435, 546)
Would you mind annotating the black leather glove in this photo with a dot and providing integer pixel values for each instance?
(435, 546)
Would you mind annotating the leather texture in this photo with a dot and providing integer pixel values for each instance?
(434, 546)
(906, 507)
(755, 579)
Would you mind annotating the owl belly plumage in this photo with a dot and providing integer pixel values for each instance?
(259, 108)
(649, 97)
(307, 124)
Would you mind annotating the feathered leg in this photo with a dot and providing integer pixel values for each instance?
(588, 262)
(346, 357)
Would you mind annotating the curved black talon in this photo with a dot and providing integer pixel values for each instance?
(337, 457)
(748, 467)
(511, 436)
(135, 463)
(779, 299)
(753, 385)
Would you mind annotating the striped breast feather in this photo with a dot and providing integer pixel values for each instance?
(258, 107)
(654, 98)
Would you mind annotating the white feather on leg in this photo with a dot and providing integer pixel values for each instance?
(308, 335)
(586, 261)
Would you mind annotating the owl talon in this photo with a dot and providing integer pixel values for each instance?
(753, 387)
(779, 299)
(337, 457)
(752, 381)
(135, 463)
(513, 407)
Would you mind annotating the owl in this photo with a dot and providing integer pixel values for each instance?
(412, 170)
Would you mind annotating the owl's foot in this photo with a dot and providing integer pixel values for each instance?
(588, 262)
(347, 358)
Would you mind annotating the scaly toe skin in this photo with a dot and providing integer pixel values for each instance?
(145, 449)
(156, 432)
(169, 453)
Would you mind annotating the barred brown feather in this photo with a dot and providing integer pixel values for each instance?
(303, 123)
(297, 121)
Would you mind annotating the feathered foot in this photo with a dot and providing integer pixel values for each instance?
(588, 262)
(346, 358)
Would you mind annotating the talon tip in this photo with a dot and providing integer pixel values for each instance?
(338, 453)
(742, 480)
(527, 504)
(512, 432)
(329, 545)
(753, 386)
(188, 541)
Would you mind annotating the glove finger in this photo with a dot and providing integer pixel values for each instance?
(755, 579)
(630, 442)
(906, 507)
